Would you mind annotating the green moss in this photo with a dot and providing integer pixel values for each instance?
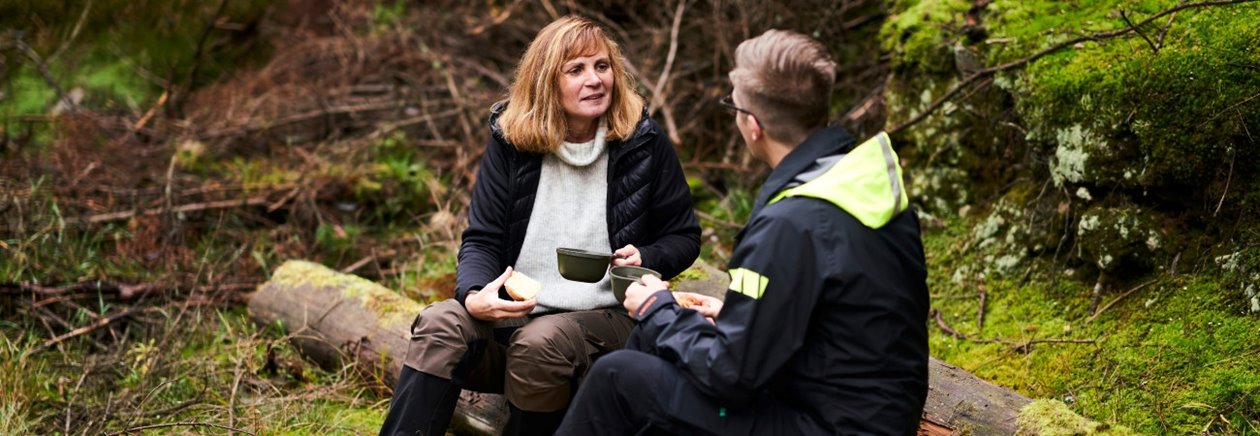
(914, 32)
(1170, 358)
(1051, 417)
(692, 273)
(1159, 116)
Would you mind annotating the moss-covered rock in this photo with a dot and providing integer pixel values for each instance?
(1158, 135)
(1052, 417)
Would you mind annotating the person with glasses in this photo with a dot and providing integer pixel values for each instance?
(573, 161)
(823, 328)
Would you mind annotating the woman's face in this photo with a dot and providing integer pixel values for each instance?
(586, 88)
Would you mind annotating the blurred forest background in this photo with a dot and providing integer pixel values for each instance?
(1086, 173)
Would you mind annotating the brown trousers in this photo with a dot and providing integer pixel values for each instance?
(540, 366)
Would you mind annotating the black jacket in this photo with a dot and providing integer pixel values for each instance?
(649, 205)
(828, 302)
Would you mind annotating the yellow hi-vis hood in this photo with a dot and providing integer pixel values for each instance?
(866, 183)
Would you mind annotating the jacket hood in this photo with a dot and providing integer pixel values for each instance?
(866, 182)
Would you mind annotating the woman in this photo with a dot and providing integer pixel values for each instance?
(573, 160)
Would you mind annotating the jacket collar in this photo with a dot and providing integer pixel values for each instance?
(823, 142)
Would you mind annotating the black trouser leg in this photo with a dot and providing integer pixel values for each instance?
(523, 423)
(422, 405)
(631, 392)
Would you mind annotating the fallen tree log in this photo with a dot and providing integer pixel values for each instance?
(340, 319)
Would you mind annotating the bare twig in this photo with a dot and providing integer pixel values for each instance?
(1025, 347)
(940, 322)
(551, 10)
(980, 316)
(657, 99)
(125, 292)
(74, 33)
(236, 383)
(872, 99)
(45, 315)
(178, 424)
(1117, 299)
(1164, 32)
(201, 45)
(196, 207)
(102, 322)
(367, 259)
(1038, 55)
(1125, 17)
(42, 68)
(1096, 295)
(718, 221)
(304, 116)
(152, 111)
(1225, 192)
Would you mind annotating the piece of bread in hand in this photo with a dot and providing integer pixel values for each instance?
(687, 300)
(521, 287)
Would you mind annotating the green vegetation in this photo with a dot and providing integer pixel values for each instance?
(1175, 356)
(116, 65)
(197, 365)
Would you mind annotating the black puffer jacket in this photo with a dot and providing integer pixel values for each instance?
(649, 205)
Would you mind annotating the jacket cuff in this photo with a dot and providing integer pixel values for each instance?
(654, 303)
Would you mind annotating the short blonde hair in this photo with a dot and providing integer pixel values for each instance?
(534, 119)
(785, 79)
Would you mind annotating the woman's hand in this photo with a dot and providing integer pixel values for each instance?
(486, 305)
(628, 255)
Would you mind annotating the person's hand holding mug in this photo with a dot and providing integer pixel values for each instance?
(640, 290)
(627, 256)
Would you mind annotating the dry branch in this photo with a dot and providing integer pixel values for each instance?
(1117, 300)
(97, 325)
(125, 292)
(195, 207)
(940, 322)
(178, 424)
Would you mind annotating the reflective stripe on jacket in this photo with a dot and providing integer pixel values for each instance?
(828, 302)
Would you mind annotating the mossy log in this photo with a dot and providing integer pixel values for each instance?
(339, 319)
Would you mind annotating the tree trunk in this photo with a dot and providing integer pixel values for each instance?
(338, 319)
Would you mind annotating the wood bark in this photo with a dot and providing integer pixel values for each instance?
(339, 319)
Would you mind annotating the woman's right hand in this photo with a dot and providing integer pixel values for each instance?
(486, 305)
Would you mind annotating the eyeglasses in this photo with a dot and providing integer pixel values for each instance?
(729, 103)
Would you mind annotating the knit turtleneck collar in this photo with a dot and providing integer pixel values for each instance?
(582, 154)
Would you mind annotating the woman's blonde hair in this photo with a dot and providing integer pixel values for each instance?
(534, 119)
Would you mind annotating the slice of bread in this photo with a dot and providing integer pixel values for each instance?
(521, 287)
(687, 300)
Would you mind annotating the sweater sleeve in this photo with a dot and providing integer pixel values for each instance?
(482, 245)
